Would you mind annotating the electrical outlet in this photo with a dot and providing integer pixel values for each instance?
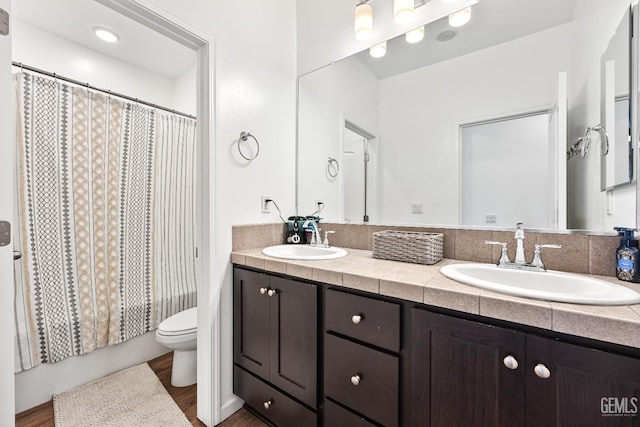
(491, 218)
(417, 208)
(265, 208)
(319, 203)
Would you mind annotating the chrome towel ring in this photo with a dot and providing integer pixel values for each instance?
(333, 167)
(244, 136)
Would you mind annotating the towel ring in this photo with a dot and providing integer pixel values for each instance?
(333, 167)
(244, 136)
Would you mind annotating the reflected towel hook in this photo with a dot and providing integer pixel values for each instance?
(333, 167)
(244, 136)
(581, 146)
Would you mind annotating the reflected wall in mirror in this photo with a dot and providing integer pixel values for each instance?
(615, 107)
(512, 60)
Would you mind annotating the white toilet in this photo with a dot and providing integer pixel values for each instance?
(179, 332)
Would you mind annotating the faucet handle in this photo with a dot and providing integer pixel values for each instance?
(326, 238)
(537, 255)
(504, 256)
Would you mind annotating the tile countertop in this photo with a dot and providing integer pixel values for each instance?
(424, 284)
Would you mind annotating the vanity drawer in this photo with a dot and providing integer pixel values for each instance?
(336, 416)
(375, 392)
(282, 410)
(366, 319)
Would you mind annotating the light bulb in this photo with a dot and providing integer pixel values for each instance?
(379, 50)
(363, 21)
(105, 35)
(402, 11)
(459, 18)
(415, 35)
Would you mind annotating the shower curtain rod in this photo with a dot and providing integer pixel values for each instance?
(88, 86)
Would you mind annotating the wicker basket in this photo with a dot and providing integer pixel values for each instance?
(408, 246)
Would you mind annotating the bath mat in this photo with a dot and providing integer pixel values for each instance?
(133, 397)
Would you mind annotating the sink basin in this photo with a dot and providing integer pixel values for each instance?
(305, 252)
(545, 285)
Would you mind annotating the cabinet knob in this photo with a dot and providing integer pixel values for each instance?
(267, 404)
(357, 318)
(263, 291)
(355, 380)
(272, 292)
(542, 371)
(510, 362)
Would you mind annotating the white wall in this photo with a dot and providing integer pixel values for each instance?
(256, 86)
(421, 110)
(46, 51)
(184, 92)
(587, 207)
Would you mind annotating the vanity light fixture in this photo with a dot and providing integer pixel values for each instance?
(403, 11)
(415, 35)
(363, 21)
(461, 17)
(379, 50)
(105, 34)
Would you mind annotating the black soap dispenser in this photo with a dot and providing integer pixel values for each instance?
(627, 256)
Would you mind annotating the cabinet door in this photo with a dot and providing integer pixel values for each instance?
(251, 321)
(294, 338)
(584, 387)
(459, 375)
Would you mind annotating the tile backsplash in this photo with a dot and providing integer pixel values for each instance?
(580, 253)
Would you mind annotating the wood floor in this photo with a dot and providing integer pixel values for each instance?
(185, 398)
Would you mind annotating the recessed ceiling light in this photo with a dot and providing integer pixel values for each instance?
(415, 35)
(106, 35)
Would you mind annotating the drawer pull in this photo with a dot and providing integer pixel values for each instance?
(272, 292)
(263, 291)
(510, 362)
(267, 404)
(355, 380)
(357, 318)
(542, 371)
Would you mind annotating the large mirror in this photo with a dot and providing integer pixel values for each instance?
(468, 127)
(615, 107)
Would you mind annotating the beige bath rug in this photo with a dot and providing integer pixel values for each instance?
(134, 397)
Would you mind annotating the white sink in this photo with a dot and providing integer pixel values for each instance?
(545, 285)
(305, 252)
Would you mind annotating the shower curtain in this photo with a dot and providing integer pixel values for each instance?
(106, 194)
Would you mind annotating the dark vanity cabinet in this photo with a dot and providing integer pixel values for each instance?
(465, 373)
(361, 360)
(310, 354)
(584, 386)
(472, 374)
(275, 323)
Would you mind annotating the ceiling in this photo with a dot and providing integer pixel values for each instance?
(492, 22)
(138, 45)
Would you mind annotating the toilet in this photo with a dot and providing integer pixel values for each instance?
(179, 332)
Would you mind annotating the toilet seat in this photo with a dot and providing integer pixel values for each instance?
(180, 324)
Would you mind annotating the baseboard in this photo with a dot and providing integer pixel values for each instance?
(232, 405)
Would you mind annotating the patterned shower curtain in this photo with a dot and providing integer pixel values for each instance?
(106, 194)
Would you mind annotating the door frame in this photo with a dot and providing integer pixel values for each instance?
(7, 165)
(210, 264)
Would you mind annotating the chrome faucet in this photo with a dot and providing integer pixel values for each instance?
(520, 261)
(315, 239)
(519, 236)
